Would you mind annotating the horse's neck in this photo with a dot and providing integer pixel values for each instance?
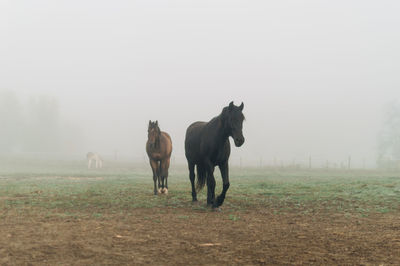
(157, 144)
(220, 132)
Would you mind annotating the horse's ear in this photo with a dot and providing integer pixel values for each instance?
(149, 122)
(231, 105)
(156, 122)
(241, 106)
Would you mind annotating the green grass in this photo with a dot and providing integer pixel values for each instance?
(71, 189)
(355, 191)
(233, 217)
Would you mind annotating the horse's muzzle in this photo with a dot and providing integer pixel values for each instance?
(238, 141)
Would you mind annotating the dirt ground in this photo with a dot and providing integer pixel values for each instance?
(176, 236)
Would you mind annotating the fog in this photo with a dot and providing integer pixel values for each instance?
(314, 76)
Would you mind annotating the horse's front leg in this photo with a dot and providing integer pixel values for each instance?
(154, 167)
(210, 184)
(159, 177)
(224, 168)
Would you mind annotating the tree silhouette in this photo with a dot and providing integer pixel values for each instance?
(389, 137)
(42, 126)
(11, 121)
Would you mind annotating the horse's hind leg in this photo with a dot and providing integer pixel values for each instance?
(192, 177)
(164, 175)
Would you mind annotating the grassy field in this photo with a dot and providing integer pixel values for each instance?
(60, 213)
(69, 186)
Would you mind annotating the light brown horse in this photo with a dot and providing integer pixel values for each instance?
(94, 157)
(159, 149)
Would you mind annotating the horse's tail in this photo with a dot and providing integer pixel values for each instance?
(201, 177)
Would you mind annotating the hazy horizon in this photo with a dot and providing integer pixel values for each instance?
(314, 76)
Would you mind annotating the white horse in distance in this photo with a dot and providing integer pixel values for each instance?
(91, 156)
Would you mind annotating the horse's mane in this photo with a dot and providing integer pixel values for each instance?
(224, 116)
(158, 139)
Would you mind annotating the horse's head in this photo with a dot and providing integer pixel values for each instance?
(234, 118)
(153, 133)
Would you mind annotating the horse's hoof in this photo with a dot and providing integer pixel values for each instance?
(216, 209)
(195, 202)
(165, 191)
(159, 191)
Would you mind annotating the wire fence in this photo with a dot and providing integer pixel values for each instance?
(305, 162)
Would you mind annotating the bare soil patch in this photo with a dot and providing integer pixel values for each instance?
(182, 236)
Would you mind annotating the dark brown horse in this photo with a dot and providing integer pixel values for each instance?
(159, 149)
(207, 145)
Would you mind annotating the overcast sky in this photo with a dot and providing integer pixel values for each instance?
(313, 75)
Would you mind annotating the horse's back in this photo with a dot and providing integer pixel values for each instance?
(197, 124)
(167, 142)
(192, 140)
(194, 130)
(167, 136)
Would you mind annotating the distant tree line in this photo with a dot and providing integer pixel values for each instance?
(34, 125)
